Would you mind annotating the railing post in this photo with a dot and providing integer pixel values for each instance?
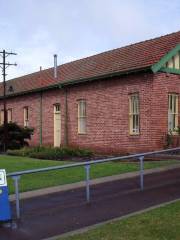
(141, 159)
(87, 168)
(16, 185)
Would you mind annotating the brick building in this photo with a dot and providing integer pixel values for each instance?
(123, 100)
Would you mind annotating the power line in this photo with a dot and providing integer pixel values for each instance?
(4, 65)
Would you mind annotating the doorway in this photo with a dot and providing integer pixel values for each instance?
(57, 125)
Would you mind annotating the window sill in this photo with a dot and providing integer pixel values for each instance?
(134, 134)
(174, 133)
(82, 134)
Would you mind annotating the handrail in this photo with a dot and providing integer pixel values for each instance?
(20, 173)
(16, 175)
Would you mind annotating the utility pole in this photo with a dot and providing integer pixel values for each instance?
(4, 65)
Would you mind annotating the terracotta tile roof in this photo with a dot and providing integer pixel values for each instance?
(132, 57)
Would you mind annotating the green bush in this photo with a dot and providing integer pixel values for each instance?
(17, 136)
(50, 153)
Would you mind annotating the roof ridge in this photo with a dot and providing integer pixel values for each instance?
(111, 50)
(137, 55)
(101, 53)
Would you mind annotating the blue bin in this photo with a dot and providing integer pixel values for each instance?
(5, 211)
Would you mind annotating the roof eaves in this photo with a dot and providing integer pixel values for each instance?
(32, 90)
(104, 76)
(77, 81)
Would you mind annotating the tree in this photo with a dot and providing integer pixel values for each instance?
(17, 136)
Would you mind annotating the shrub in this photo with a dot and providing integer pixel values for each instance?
(50, 153)
(16, 136)
(178, 130)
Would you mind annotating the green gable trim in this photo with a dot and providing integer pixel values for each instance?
(170, 70)
(157, 66)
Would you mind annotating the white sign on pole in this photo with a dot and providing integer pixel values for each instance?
(3, 181)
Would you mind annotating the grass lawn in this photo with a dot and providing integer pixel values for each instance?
(158, 224)
(59, 177)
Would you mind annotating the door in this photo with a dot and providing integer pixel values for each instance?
(57, 125)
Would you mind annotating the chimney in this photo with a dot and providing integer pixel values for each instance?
(55, 65)
(40, 69)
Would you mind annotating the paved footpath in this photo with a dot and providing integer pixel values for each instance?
(61, 212)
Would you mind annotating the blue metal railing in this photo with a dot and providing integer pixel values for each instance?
(16, 175)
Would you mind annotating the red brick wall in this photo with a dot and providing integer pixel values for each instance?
(18, 103)
(107, 112)
(163, 84)
(49, 98)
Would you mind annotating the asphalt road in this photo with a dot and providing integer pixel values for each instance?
(57, 213)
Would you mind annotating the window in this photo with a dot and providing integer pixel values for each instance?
(57, 108)
(172, 112)
(174, 62)
(26, 116)
(9, 115)
(82, 117)
(2, 117)
(134, 114)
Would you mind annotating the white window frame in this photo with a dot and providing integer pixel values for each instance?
(57, 108)
(134, 114)
(9, 115)
(2, 116)
(82, 118)
(173, 112)
(26, 116)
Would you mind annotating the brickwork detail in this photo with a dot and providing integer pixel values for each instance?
(107, 112)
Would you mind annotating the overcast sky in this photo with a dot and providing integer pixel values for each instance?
(36, 29)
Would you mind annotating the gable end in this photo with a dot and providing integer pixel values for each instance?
(170, 63)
